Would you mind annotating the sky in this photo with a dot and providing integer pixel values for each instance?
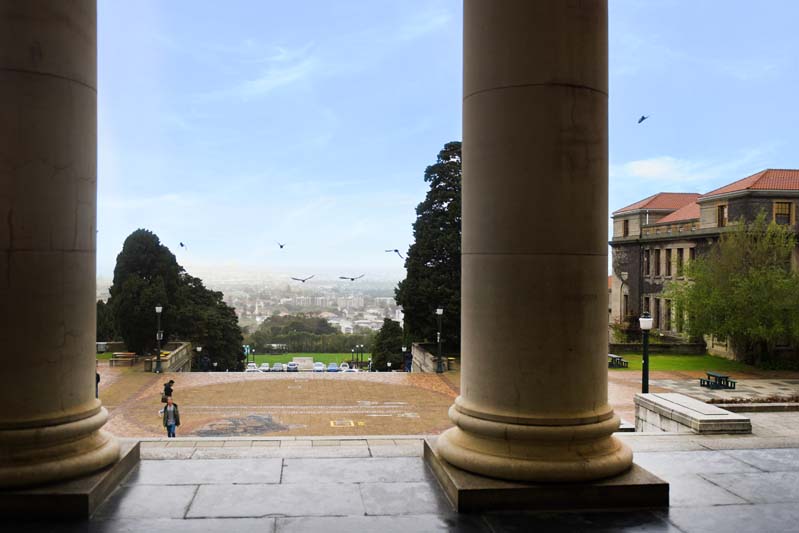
(232, 126)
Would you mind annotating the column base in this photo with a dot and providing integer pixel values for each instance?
(635, 488)
(77, 498)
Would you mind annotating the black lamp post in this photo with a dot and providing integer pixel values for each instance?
(646, 324)
(199, 355)
(440, 363)
(158, 336)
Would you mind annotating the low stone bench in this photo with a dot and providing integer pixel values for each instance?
(123, 359)
(677, 413)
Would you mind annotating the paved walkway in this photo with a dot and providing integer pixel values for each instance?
(718, 483)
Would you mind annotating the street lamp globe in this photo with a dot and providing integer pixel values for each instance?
(439, 311)
(645, 321)
(158, 309)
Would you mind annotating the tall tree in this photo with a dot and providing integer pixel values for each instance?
(106, 326)
(744, 290)
(433, 264)
(388, 346)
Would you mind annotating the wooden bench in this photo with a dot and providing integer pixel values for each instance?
(715, 380)
(123, 359)
(615, 361)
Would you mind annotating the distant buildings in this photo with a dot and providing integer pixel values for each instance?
(655, 238)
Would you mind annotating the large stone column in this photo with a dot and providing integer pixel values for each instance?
(533, 403)
(49, 418)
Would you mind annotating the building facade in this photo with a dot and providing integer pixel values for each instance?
(656, 238)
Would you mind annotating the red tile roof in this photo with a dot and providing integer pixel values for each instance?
(661, 200)
(770, 179)
(686, 212)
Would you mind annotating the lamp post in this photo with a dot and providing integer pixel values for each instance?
(352, 359)
(440, 363)
(389, 366)
(646, 324)
(404, 363)
(158, 336)
(360, 358)
(199, 354)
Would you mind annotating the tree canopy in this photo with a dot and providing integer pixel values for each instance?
(744, 290)
(433, 264)
(148, 274)
(306, 333)
(388, 346)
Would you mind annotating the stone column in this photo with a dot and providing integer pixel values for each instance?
(49, 418)
(533, 403)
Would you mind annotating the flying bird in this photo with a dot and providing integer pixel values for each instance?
(396, 252)
(643, 118)
(281, 245)
(183, 246)
(351, 279)
(303, 280)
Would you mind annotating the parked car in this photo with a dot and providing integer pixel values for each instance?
(293, 367)
(278, 367)
(318, 366)
(252, 369)
(332, 367)
(350, 370)
(252, 365)
(264, 367)
(344, 367)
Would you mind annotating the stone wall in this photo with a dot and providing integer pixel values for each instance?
(677, 413)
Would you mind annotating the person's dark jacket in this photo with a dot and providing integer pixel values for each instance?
(167, 389)
(177, 414)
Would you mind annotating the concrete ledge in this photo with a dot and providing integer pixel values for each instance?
(76, 499)
(677, 413)
(744, 407)
(635, 489)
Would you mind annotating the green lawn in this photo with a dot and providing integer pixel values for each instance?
(105, 355)
(686, 362)
(326, 358)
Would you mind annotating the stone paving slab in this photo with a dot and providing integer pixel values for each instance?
(371, 470)
(207, 472)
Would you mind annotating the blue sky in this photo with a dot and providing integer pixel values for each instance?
(231, 126)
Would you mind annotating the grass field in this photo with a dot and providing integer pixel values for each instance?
(326, 358)
(105, 355)
(686, 362)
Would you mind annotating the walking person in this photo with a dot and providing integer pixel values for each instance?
(167, 390)
(96, 381)
(171, 417)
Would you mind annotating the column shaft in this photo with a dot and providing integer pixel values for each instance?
(49, 418)
(533, 403)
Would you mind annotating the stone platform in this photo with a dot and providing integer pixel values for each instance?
(677, 413)
(75, 499)
(468, 493)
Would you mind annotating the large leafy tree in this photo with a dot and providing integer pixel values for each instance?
(388, 346)
(148, 274)
(106, 326)
(433, 264)
(744, 290)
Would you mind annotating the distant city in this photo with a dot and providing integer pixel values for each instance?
(348, 306)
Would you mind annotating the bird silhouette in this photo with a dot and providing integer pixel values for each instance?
(350, 278)
(183, 246)
(396, 252)
(281, 245)
(303, 280)
(643, 118)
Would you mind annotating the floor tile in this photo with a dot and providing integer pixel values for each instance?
(209, 471)
(404, 498)
(778, 460)
(383, 524)
(383, 470)
(737, 518)
(638, 521)
(140, 501)
(667, 464)
(322, 499)
(764, 487)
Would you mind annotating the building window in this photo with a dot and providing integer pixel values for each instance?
(667, 315)
(721, 216)
(626, 309)
(646, 304)
(657, 262)
(625, 228)
(656, 314)
(647, 268)
(668, 262)
(782, 212)
(680, 261)
(692, 254)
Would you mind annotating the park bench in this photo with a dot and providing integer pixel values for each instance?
(715, 380)
(616, 361)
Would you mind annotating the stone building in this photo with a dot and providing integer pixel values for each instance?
(655, 238)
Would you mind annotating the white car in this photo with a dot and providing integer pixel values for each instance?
(251, 369)
(264, 367)
(252, 365)
(343, 367)
(318, 366)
